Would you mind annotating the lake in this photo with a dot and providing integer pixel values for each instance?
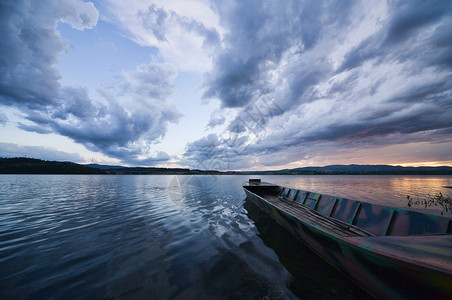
(170, 237)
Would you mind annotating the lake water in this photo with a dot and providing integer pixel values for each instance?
(169, 237)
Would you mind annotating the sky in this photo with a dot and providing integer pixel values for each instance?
(227, 85)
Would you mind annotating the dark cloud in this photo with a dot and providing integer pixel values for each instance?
(210, 35)
(118, 127)
(205, 148)
(260, 34)
(35, 128)
(74, 101)
(216, 120)
(389, 86)
(416, 31)
(367, 50)
(123, 123)
(227, 149)
(409, 17)
(30, 48)
(31, 45)
(206, 152)
(3, 119)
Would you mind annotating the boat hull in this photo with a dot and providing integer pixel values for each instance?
(380, 275)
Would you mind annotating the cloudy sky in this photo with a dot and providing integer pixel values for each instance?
(228, 85)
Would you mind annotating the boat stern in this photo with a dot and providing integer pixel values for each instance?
(257, 186)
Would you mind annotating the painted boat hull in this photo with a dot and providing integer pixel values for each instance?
(377, 264)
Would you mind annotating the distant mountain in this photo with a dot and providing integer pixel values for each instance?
(23, 165)
(372, 169)
(105, 167)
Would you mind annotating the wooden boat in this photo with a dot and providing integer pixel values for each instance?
(391, 253)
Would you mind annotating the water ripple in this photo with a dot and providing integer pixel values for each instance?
(139, 237)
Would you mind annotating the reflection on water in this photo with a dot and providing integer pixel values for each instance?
(164, 237)
(387, 190)
(312, 278)
(131, 236)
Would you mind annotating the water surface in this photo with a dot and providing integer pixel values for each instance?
(169, 237)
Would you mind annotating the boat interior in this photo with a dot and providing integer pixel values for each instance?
(364, 218)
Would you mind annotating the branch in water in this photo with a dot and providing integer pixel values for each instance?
(445, 202)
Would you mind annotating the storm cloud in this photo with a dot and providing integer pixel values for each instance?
(354, 76)
(30, 47)
(123, 122)
(263, 36)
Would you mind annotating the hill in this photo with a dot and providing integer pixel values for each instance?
(22, 165)
(370, 169)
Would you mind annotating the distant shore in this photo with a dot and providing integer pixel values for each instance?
(23, 165)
